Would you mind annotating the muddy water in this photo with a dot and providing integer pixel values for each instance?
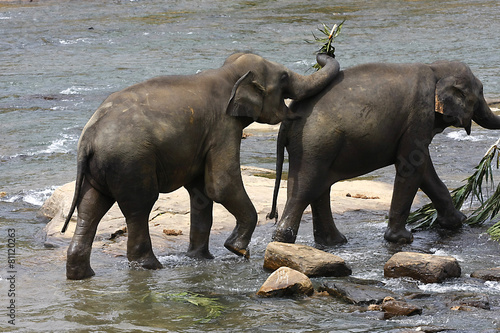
(60, 59)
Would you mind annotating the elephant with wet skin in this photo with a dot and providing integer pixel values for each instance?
(173, 131)
(369, 117)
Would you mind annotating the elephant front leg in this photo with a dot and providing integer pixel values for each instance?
(229, 192)
(410, 168)
(448, 216)
(246, 220)
(201, 222)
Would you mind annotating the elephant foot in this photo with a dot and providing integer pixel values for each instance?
(75, 272)
(453, 221)
(237, 244)
(237, 250)
(330, 240)
(284, 236)
(401, 236)
(146, 262)
(199, 254)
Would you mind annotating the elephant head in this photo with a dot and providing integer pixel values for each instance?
(459, 97)
(262, 86)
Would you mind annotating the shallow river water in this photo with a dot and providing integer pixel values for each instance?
(60, 59)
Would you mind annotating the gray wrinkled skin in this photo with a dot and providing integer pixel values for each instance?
(369, 117)
(174, 131)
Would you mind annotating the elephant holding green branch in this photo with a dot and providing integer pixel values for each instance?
(369, 117)
(174, 131)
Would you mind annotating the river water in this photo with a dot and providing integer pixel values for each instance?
(60, 59)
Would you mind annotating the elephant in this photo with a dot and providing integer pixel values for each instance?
(179, 130)
(371, 116)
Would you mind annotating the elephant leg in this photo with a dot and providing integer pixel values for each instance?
(91, 208)
(448, 216)
(139, 248)
(410, 167)
(201, 221)
(288, 227)
(243, 210)
(302, 189)
(325, 231)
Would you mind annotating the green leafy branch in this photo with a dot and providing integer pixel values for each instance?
(327, 42)
(425, 217)
(211, 305)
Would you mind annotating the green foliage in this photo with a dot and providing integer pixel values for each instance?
(327, 42)
(211, 306)
(425, 217)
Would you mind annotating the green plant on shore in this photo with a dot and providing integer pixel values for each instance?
(489, 208)
(327, 42)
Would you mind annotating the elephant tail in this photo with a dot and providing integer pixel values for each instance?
(80, 172)
(280, 158)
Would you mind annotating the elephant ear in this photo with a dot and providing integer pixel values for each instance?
(247, 98)
(450, 101)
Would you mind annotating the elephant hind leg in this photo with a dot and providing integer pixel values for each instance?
(91, 208)
(201, 221)
(136, 207)
(325, 230)
(139, 246)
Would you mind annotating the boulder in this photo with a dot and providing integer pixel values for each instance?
(357, 294)
(286, 282)
(305, 259)
(427, 268)
(394, 308)
(488, 274)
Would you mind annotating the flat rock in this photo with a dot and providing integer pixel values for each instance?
(286, 282)
(427, 268)
(357, 294)
(488, 274)
(305, 259)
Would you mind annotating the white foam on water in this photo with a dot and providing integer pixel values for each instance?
(462, 136)
(32, 197)
(74, 90)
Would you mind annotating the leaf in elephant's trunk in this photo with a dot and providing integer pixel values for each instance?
(331, 34)
(425, 217)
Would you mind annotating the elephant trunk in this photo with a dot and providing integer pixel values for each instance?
(305, 86)
(485, 118)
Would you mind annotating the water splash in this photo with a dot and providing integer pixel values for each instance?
(32, 197)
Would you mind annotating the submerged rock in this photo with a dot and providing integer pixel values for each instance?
(357, 294)
(286, 282)
(427, 268)
(394, 308)
(488, 274)
(305, 259)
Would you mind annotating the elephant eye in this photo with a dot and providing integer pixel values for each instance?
(284, 77)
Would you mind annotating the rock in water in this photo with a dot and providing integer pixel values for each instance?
(286, 282)
(488, 274)
(427, 268)
(357, 294)
(393, 308)
(305, 259)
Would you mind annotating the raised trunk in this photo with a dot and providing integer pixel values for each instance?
(484, 117)
(305, 86)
